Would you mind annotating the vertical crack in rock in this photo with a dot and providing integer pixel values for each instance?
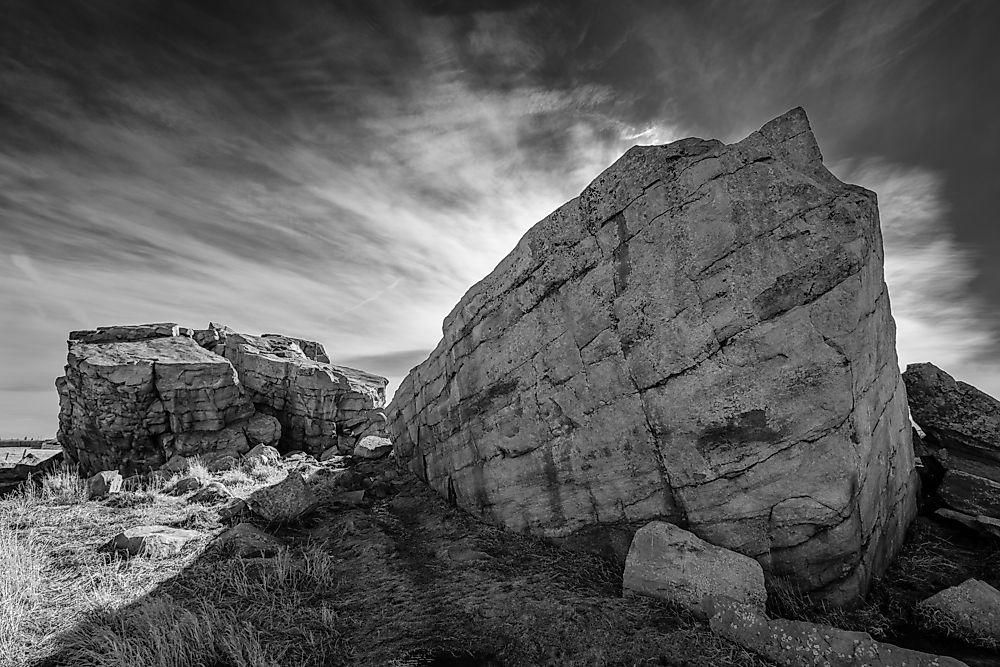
(683, 342)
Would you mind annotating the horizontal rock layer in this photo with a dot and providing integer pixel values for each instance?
(703, 337)
(139, 397)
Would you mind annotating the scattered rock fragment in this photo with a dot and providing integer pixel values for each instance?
(289, 500)
(104, 484)
(800, 644)
(670, 563)
(150, 541)
(970, 611)
(211, 493)
(245, 540)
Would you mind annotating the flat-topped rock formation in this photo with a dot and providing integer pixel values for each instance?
(702, 337)
(135, 397)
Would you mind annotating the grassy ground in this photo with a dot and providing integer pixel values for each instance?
(405, 581)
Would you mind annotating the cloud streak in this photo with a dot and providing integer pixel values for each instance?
(344, 172)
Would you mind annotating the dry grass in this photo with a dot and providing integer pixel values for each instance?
(198, 470)
(64, 486)
(21, 563)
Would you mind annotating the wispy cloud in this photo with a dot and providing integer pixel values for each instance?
(937, 316)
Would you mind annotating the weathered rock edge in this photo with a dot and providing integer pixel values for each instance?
(702, 337)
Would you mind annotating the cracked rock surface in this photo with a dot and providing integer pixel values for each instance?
(139, 397)
(702, 337)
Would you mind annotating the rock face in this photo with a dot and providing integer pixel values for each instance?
(702, 337)
(961, 427)
(140, 397)
(668, 562)
(317, 403)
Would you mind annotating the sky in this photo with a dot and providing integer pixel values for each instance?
(345, 171)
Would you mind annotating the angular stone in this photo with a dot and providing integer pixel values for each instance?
(317, 403)
(151, 541)
(970, 610)
(956, 417)
(117, 400)
(670, 563)
(104, 484)
(18, 464)
(703, 337)
(373, 447)
(289, 500)
(800, 644)
(211, 493)
(960, 518)
(245, 540)
(310, 348)
(970, 494)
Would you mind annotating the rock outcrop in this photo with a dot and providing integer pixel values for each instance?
(961, 427)
(702, 337)
(137, 398)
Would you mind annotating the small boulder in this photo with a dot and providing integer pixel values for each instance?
(151, 541)
(801, 644)
(284, 502)
(265, 454)
(185, 485)
(211, 493)
(245, 540)
(970, 611)
(668, 562)
(104, 484)
(233, 508)
(373, 447)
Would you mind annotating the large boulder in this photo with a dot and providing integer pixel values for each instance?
(319, 405)
(703, 337)
(122, 404)
(670, 563)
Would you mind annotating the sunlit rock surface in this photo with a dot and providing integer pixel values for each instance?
(703, 337)
(139, 397)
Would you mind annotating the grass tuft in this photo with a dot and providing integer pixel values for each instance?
(64, 486)
(22, 560)
(162, 632)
